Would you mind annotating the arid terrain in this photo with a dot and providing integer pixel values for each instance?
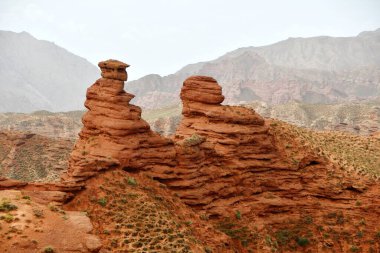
(226, 180)
(358, 118)
(31, 157)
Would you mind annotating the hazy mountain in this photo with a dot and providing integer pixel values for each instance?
(39, 75)
(312, 70)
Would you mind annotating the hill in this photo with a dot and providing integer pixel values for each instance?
(60, 124)
(31, 157)
(39, 75)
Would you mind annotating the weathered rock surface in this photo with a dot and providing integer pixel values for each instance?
(114, 135)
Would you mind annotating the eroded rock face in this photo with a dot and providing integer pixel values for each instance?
(220, 148)
(113, 69)
(114, 135)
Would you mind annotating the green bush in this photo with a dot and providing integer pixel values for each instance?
(302, 241)
(132, 181)
(354, 248)
(6, 206)
(283, 236)
(238, 215)
(102, 202)
(49, 249)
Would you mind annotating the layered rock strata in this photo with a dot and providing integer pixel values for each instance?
(221, 150)
(114, 135)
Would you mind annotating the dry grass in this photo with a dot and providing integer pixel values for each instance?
(355, 154)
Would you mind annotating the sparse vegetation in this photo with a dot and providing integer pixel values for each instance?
(7, 217)
(302, 241)
(193, 140)
(238, 215)
(132, 181)
(102, 202)
(6, 206)
(38, 159)
(49, 249)
(354, 248)
(355, 154)
(136, 219)
(38, 213)
(235, 231)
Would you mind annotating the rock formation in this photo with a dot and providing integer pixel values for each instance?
(219, 148)
(114, 135)
(225, 170)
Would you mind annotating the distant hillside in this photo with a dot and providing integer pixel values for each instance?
(31, 157)
(39, 75)
(61, 124)
(358, 118)
(311, 70)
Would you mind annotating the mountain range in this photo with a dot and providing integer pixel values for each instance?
(311, 70)
(39, 75)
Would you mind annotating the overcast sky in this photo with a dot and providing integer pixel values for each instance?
(161, 36)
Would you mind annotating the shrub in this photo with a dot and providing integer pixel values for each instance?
(8, 217)
(38, 213)
(193, 140)
(238, 215)
(302, 241)
(49, 249)
(283, 236)
(132, 181)
(354, 248)
(102, 202)
(6, 206)
(208, 250)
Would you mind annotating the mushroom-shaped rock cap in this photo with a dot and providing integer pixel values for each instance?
(113, 69)
(202, 89)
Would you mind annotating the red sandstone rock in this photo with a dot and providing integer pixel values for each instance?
(114, 135)
(113, 69)
(6, 183)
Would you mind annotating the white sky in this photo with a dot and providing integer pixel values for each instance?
(161, 36)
